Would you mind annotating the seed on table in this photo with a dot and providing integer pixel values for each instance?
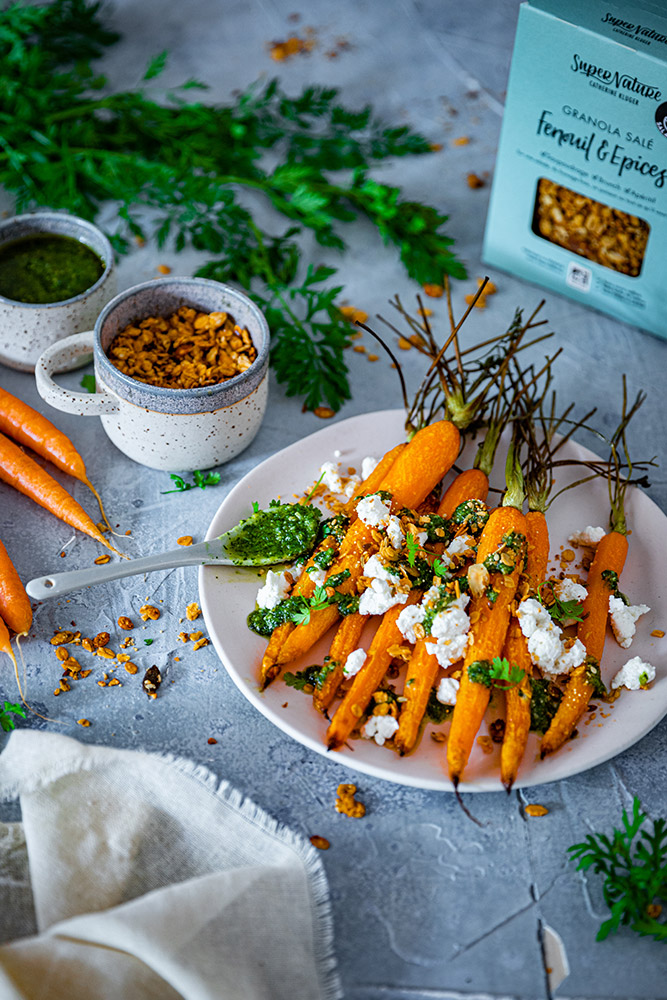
(83, 722)
(106, 653)
(321, 843)
(62, 653)
(184, 540)
(60, 637)
(131, 668)
(101, 560)
(125, 623)
(101, 639)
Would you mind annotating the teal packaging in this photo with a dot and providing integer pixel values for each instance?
(579, 199)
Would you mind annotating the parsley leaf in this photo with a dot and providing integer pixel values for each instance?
(201, 480)
(148, 642)
(497, 673)
(634, 864)
(440, 569)
(412, 546)
(560, 611)
(6, 715)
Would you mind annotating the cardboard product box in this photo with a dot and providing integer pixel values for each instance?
(579, 199)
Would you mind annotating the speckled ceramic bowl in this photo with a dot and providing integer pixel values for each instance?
(27, 328)
(167, 429)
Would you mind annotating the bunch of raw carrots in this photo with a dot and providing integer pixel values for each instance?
(23, 427)
(459, 561)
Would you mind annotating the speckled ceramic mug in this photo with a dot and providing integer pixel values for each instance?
(27, 328)
(168, 429)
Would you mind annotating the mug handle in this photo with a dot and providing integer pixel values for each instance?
(54, 358)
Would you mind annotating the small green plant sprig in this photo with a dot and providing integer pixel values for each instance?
(7, 713)
(498, 673)
(175, 168)
(200, 480)
(634, 864)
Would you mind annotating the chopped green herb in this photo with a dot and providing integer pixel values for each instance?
(508, 555)
(265, 620)
(304, 678)
(593, 677)
(610, 577)
(326, 558)
(634, 864)
(431, 524)
(148, 642)
(436, 711)
(544, 702)
(561, 611)
(88, 383)
(255, 507)
(498, 673)
(201, 480)
(335, 527)
(7, 712)
(472, 513)
(412, 547)
(338, 578)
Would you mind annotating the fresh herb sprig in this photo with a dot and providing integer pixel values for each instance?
(560, 611)
(69, 143)
(200, 480)
(498, 673)
(7, 714)
(634, 864)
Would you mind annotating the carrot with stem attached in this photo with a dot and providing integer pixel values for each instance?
(15, 606)
(33, 430)
(502, 544)
(610, 557)
(29, 478)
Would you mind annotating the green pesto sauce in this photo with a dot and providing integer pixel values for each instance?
(275, 535)
(47, 268)
(264, 620)
(544, 702)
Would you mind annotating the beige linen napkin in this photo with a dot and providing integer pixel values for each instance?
(153, 881)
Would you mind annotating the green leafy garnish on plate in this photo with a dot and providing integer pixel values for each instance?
(7, 713)
(498, 673)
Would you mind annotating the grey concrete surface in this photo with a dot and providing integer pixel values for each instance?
(426, 905)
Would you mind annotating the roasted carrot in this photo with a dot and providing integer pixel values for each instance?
(25, 475)
(417, 470)
(517, 699)
(344, 642)
(423, 667)
(487, 635)
(610, 555)
(31, 429)
(15, 606)
(374, 481)
(355, 702)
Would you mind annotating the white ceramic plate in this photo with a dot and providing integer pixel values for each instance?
(228, 595)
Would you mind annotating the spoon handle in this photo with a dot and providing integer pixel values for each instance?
(57, 584)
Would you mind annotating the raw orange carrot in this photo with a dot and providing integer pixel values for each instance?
(15, 606)
(31, 429)
(610, 555)
(517, 699)
(25, 475)
(345, 641)
(355, 702)
(487, 634)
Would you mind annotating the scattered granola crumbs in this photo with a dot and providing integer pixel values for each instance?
(567, 556)
(125, 623)
(424, 311)
(658, 633)
(535, 810)
(61, 653)
(359, 348)
(102, 684)
(211, 741)
(63, 685)
(177, 659)
(279, 51)
(324, 412)
(164, 269)
(321, 843)
(62, 555)
(151, 682)
(193, 636)
(285, 704)
(101, 639)
(497, 730)
(105, 652)
(438, 737)
(61, 637)
(404, 344)
(193, 611)
(83, 722)
(122, 657)
(434, 291)
(200, 643)
(373, 357)
(486, 744)
(114, 682)
(128, 532)
(183, 636)
(353, 314)
(462, 140)
(475, 182)
(653, 910)
(435, 147)
(101, 560)
(56, 692)
(131, 668)
(184, 540)
(72, 666)
(85, 673)
(87, 644)
(347, 804)
(149, 612)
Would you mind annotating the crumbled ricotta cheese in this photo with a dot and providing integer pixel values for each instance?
(276, 588)
(447, 691)
(532, 615)
(368, 464)
(623, 618)
(395, 533)
(337, 453)
(568, 590)
(351, 487)
(460, 545)
(380, 728)
(331, 477)
(374, 570)
(408, 618)
(450, 630)
(318, 576)
(545, 644)
(589, 537)
(571, 658)
(545, 648)
(373, 511)
(354, 662)
(634, 674)
(379, 597)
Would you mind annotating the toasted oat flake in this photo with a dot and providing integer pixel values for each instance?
(101, 639)
(149, 612)
(200, 644)
(321, 843)
(105, 653)
(131, 668)
(61, 637)
(61, 653)
(193, 611)
(184, 540)
(125, 623)
(658, 633)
